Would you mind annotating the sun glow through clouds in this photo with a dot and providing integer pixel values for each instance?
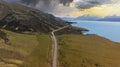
(100, 10)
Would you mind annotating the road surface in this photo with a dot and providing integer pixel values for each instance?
(55, 44)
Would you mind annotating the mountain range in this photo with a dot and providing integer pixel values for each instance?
(110, 18)
(96, 18)
(88, 17)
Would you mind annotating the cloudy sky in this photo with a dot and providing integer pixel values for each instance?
(94, 7)
(97, 7)
(75, 7)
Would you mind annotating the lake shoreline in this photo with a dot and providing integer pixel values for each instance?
(109, 30)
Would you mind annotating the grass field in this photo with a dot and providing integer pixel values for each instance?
(26, 50)
(41, 55)
(87, 51)
(74, 51)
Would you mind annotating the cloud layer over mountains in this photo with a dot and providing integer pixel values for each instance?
(86, 4)
(80, 4)
(63, 6)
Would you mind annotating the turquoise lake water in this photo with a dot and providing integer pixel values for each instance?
(109, 30)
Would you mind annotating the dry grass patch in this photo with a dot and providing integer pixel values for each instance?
(41, 55)
(88, 51)
(29, 50)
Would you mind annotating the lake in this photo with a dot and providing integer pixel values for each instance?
(110, 30)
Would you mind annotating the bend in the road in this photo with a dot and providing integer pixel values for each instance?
(55, 45)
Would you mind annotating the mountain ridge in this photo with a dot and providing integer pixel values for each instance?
(17, 17)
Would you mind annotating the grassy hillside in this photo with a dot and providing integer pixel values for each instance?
(88, 51)
(25, 50)
(20, 18)
(41, 55)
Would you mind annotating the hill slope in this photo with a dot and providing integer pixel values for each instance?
(26, 50)
(88, 51)
(17, 17)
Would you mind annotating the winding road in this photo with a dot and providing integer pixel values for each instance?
(55, 44)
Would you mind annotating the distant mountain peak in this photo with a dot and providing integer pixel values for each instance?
(88, 17)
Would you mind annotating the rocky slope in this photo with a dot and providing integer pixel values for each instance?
(17, 17)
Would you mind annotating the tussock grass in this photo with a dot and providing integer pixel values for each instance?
(87, 51)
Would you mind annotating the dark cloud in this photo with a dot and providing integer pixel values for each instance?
(52, 6)
(65, 2)
(12, 0)
(28, 2)
(34, 2)
(46, 2)
(86, 4)
(47, 5)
